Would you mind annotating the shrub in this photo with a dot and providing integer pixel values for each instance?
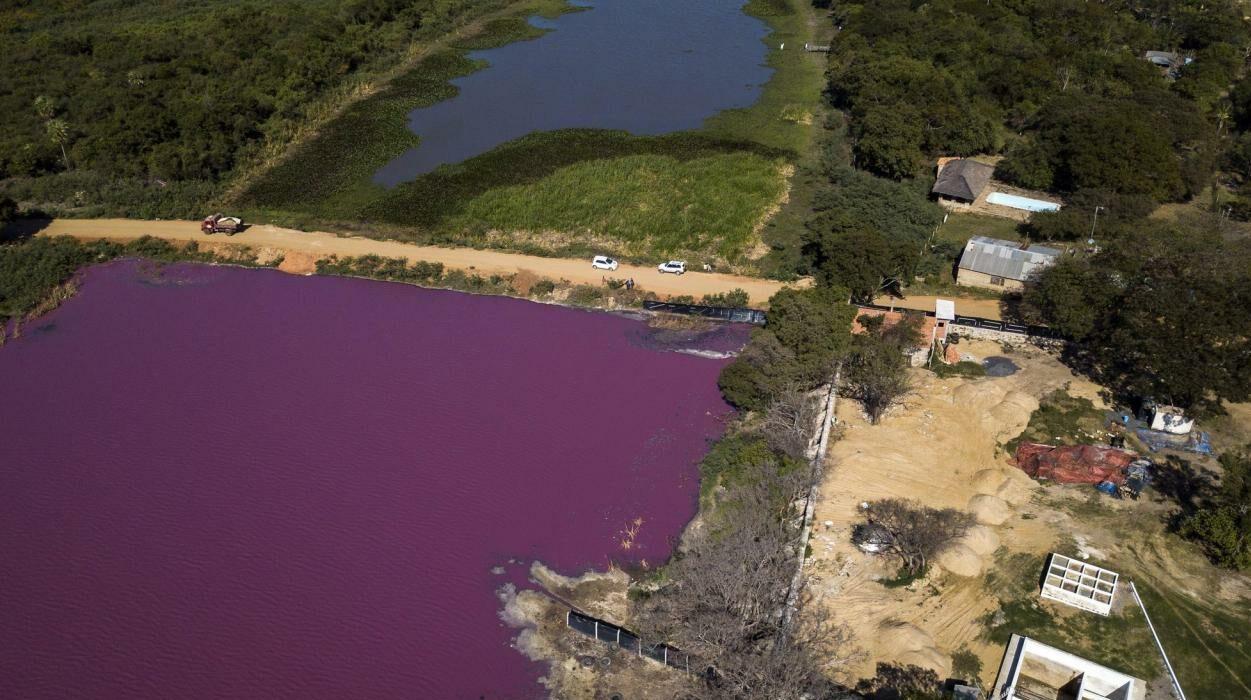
(964, 368)
(585, 295)
(733, 299)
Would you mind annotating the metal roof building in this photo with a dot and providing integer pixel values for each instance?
(1005, 259)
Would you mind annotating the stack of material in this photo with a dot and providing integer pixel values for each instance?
(1196, 441)
(1077, 464)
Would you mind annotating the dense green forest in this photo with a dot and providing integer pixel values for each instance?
(1060, 86)
(1060, 89)
(145, 109)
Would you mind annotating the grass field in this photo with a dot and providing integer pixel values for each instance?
(959, 228)
(1208, 647)
(700, 194)
(650, 204)
(1121, 641)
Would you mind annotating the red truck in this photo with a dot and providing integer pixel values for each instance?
(220, 223)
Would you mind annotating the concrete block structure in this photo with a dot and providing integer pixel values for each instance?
(1079, 584)
(1032, 670)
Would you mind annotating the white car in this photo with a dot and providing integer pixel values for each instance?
(603, 262)
(677, 267)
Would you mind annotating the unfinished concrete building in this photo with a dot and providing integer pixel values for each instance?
(1077, 583)
(1032, 670)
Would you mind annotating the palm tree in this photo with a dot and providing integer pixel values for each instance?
(57, 129)
(1223, 113)
(58, 133)
(44, 108)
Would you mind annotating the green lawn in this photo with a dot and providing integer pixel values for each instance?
(699, 194)
(959, 228)
(1208, 647)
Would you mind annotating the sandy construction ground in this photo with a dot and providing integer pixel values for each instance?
(941, 448)
(965, 306)
(302, 249)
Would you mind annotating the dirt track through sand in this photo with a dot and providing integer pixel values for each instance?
(315, 245)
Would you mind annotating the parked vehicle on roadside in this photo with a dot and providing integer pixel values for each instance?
(220, 223)
(676, 267)
(603, 262)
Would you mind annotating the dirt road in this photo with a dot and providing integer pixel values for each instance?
(965, 306)
(316, 245)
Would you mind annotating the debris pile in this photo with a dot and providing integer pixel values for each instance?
(1077, 464)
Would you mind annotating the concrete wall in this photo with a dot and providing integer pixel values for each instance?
(971, 278)
(1006, 338)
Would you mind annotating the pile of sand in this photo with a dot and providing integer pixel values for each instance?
(912, 646)
(1009, 484)
(989, 510)
(1018, 488)
(961, 560)
(981, 539)
(988, 481)
(969, 555)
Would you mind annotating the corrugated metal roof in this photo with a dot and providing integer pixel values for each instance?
(1006, 259)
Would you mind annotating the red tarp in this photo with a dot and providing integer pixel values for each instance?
(1076, 464)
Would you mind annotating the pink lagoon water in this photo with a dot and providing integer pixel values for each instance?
(218, 482)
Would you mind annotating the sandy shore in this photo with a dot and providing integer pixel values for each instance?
(304, 248)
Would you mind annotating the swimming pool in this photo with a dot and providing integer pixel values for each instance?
(1016, 202)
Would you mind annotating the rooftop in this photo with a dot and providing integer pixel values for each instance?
(1007, 259)
(962, 178)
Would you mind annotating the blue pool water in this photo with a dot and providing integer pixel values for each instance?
(1025, 203)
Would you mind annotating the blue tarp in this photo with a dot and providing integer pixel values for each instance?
(1197, 442)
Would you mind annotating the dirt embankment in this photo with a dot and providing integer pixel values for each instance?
(302, 249)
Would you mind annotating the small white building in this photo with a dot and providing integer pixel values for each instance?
(1032, 670)
(1079, 584)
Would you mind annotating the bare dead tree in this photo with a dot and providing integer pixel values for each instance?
(917, 533)
(790, 421)
(724, 595)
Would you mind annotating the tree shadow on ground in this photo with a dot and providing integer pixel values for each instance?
(1182, 481)
(21, 229)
